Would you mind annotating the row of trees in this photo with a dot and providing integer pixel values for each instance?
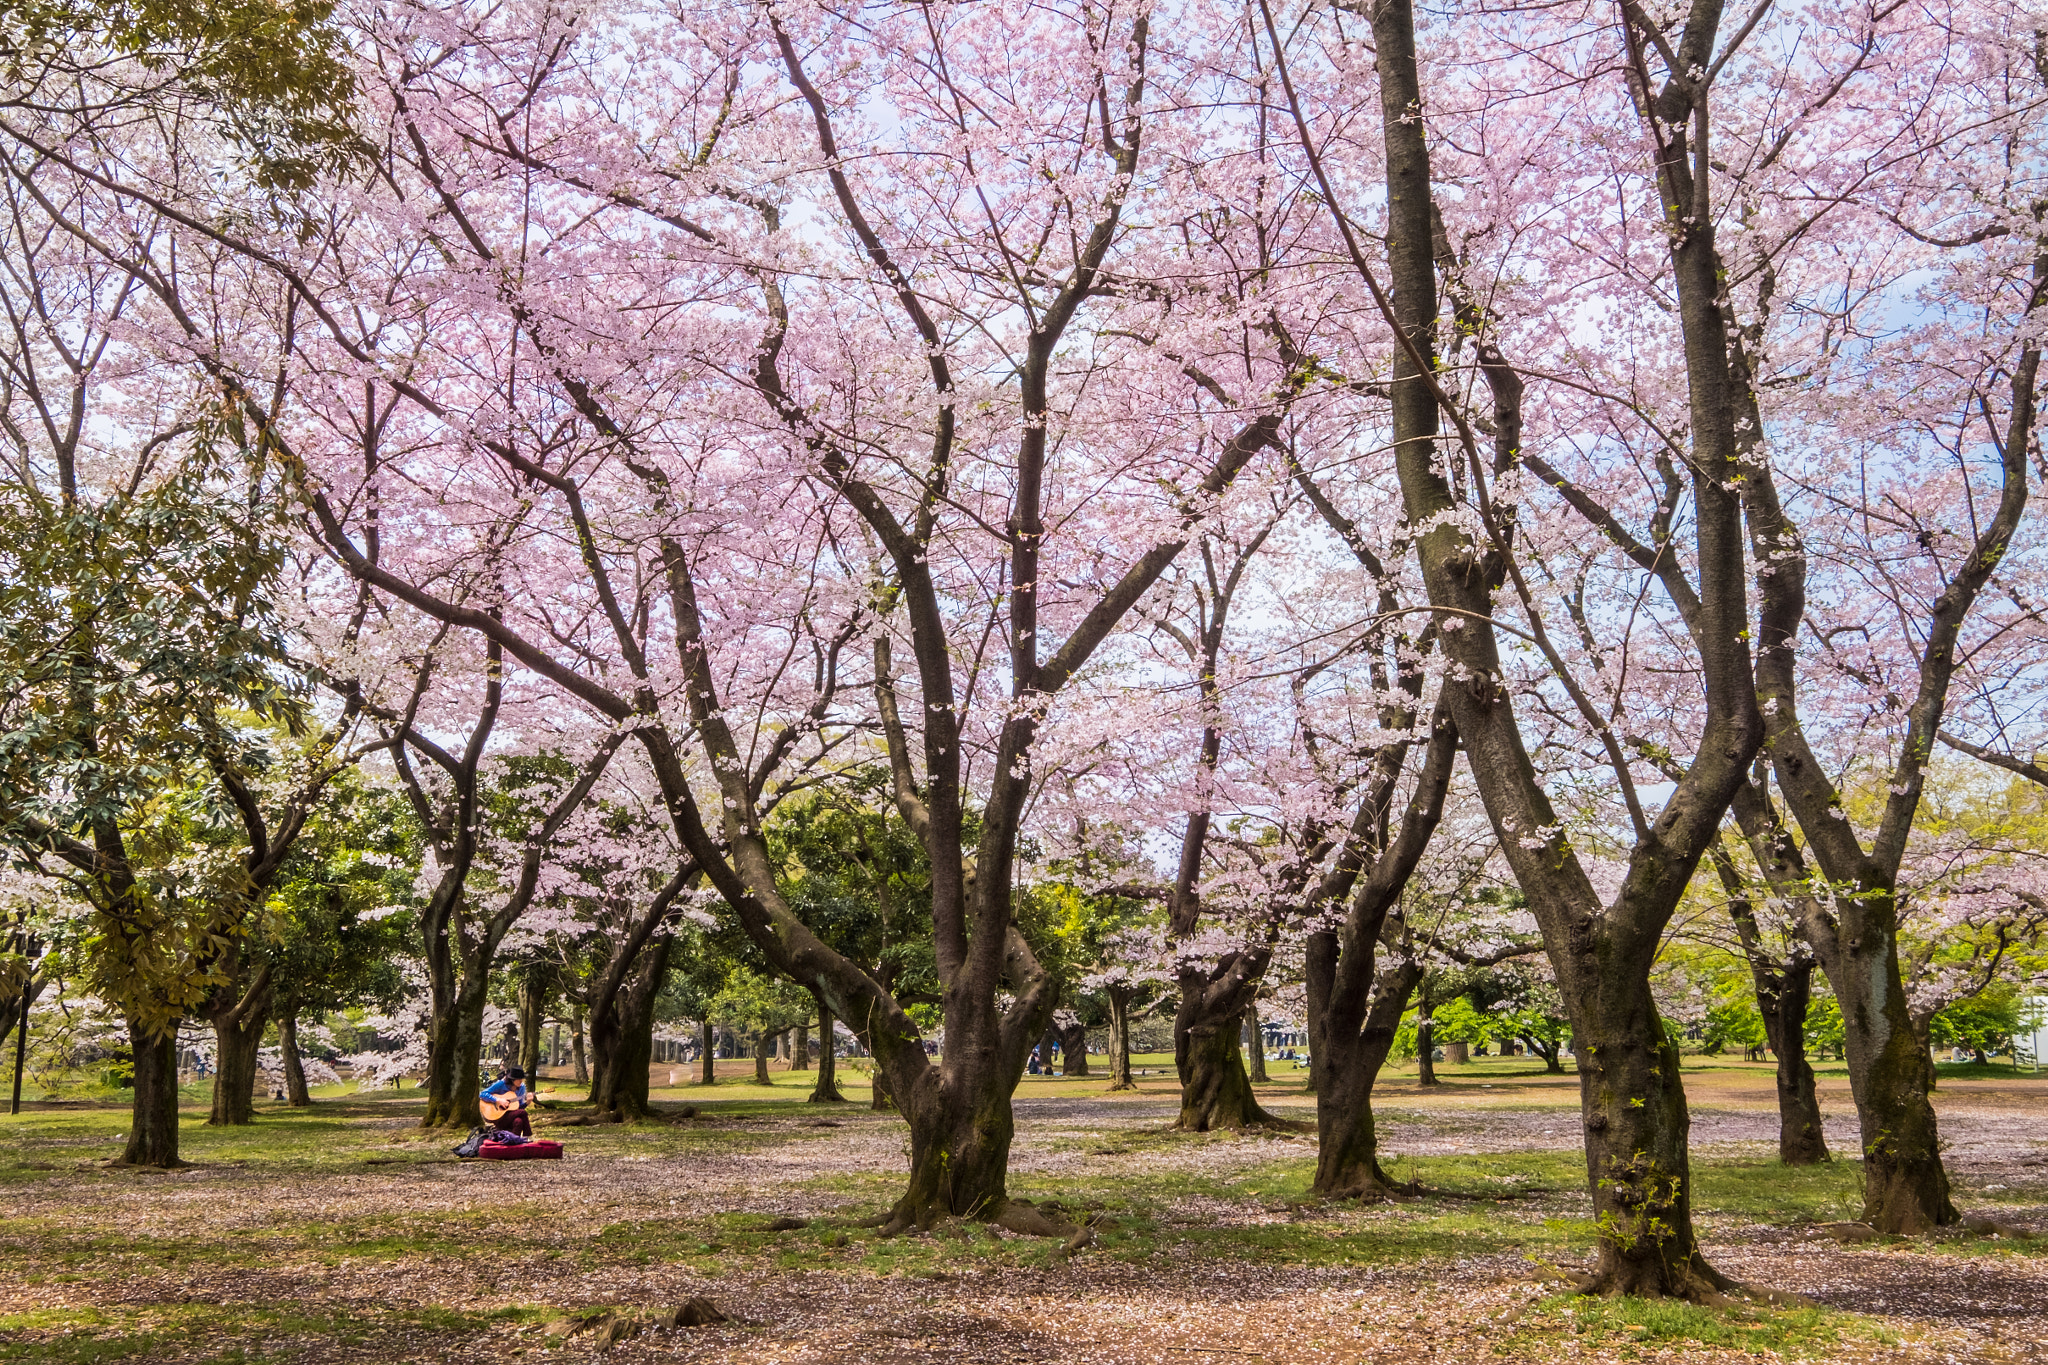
(1391, 489)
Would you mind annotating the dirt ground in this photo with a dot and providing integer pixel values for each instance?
(357, 1239)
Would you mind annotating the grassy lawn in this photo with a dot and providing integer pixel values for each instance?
(346, 1232)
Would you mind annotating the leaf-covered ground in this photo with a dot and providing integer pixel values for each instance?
(345, 1234)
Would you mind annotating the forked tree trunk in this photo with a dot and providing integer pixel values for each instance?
(1120, 1037)
(238, 1037)
(153, 1123)
(826, 1091)
(295, 1092)
(1254, 1044)
(961, 1127)
(707, 1043)
(1347, 1143)
(622, 1037)
(455, 1054)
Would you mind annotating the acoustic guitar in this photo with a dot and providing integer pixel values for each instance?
(495, 1107)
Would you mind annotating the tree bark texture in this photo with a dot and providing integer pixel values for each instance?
(764, 1043)
(1215, 1092)
(455, 1053)
(800, 1052)
(1319, 962)
(1254, 1045)
(153, 1124)
(707, 1050)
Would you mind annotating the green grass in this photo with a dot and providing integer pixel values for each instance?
(230, 1335)
(1792, 1333)
(1159, 1213)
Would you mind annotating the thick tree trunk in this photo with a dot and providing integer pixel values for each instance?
(455, 1057)
(1347, 1148)
(961, 1127)
(763, 1045)
(1073, 1048)
(1782, 997)
(1254, 1044)
(1425, 1045)
(707, 1042)
(153, 1124)
(295, 1092)
(238, 1036)
(622, 1037)
(1215, 1092)
(1636, 1127)
(1120, 1038)
(1905, 1186)
(1356, 1037)
(800, 1054)
(826, 1091)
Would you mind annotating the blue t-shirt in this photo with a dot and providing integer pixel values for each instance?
(502, 1086)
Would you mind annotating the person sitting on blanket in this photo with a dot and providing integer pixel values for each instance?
(510, 1087)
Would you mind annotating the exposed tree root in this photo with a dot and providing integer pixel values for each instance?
(1987, 1227)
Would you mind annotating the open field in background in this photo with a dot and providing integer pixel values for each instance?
(345, 1234)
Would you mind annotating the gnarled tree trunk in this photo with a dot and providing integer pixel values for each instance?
(1215, 1092)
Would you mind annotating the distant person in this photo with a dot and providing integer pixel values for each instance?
(504, 1102)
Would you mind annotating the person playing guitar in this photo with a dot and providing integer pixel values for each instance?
(504, 1101)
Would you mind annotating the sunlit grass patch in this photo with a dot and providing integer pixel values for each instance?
(1790, 1333)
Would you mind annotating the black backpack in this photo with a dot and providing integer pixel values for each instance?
(476, 1139)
